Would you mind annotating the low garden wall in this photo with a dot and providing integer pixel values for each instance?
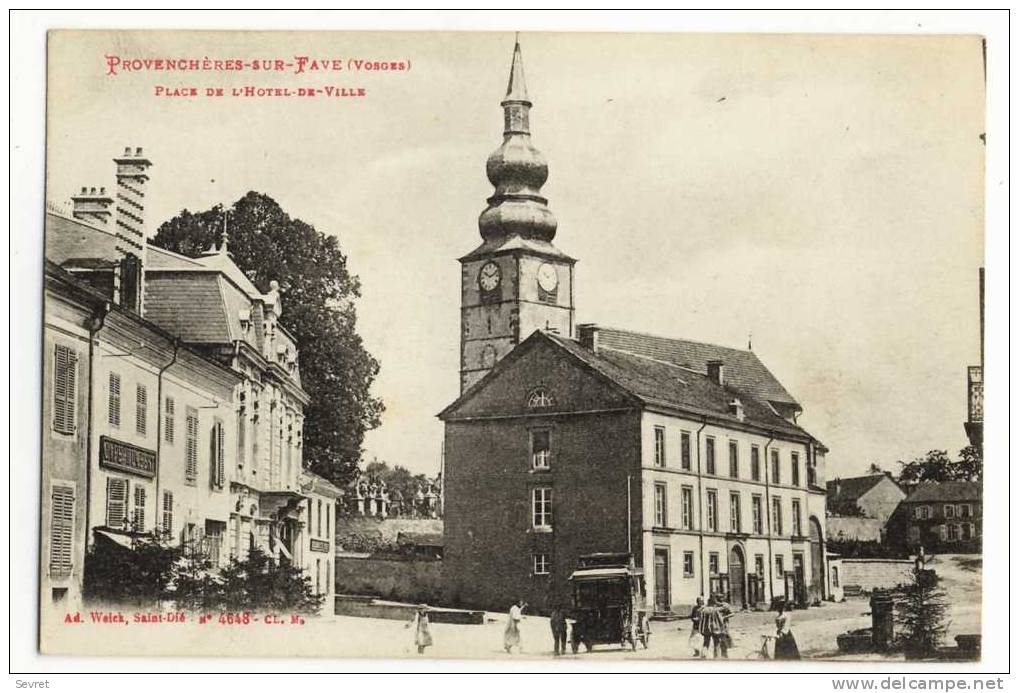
(874, 573)
(398, 579)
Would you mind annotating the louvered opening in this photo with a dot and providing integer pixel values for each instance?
(65, 389)
(61, 531)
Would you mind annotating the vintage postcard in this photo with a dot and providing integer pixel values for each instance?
(513, 346)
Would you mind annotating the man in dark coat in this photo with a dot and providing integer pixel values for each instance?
(557, 621)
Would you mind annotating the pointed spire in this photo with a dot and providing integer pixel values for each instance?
(223, 248)
(516, 90)
(517, 170)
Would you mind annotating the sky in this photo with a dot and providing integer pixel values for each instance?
(823, 194)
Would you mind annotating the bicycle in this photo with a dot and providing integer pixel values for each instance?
(763, 652)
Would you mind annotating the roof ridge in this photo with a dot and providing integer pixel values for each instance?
(653, 360)
(152, 246)
(638, 333)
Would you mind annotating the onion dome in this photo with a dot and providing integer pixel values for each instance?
(517, 170)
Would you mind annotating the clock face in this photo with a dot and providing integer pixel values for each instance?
(548, 280)
(488, 278)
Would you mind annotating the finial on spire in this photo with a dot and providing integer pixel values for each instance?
(516, 90)
(750, 341)
(222, 247)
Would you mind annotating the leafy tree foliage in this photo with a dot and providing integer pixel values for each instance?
(936, 465)
(319, 292)
(259, 583)
(921, 614)
(139, 575)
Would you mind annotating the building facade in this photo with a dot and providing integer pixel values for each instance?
(319, 548)
(944, 517)
(875, 495)
(193, 410)
(684, 454)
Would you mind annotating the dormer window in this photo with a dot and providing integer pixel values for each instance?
(540, 399)
(244, 315)
(736, 409)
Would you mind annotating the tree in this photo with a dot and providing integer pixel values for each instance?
(318, 297)
(137, 575)
(920, 612)
(937, 466)
(259, 583)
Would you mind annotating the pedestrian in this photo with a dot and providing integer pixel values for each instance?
(511, 638)
(422, 633)
(714, 626)
(785, 643)
(557, 622)
(696, 639)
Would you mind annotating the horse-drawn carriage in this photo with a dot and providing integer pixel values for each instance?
(609, 602)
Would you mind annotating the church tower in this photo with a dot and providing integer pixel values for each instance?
(516, 281)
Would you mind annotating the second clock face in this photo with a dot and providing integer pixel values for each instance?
(548, 280)
(488, 278)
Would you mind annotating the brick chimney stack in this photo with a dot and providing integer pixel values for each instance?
(132, 177)
(587, 335)
(92, 207)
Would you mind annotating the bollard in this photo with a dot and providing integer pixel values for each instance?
(882, 615)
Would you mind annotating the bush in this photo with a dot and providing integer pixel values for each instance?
(258, 583)
(139, 575)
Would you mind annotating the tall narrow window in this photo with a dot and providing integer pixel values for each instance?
(759, 565)
(191, 445)
(687, 507)
(776, 472)
(168, 513)
(688, 564)
(712, 510)
(541, 507)
(217, 455)
(242, 434)
(713, 563)
(141, 410)
(661, 507)
(709, 455)
(138, 512)
(113, 400)
(779, 566)
(61, 530)
(794, 466)
(776, 516)
(541, 449)
(169, 422)
(659, 446)
(684, 450)
(733, 459)
(116, 502)
(756, 507)
(755, 463)
(318, 519)
(65, 389)
(735, 513)
(797, 519)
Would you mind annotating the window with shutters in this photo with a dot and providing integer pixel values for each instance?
(168, 423)
(113, 399)
(191, 445)
(138, 512)
(686, 496)
(709, 455)
(797, 519)
(733, 459)
(776, 472)
(116, 502)
(735, 512)
(794, 467)
(659, 446)
(65, 389)
(167, 523)
(661, 505)
(757, 514)
(755, 463)
(141, 410)
(776, 516)
(217, 459)
(712, 507)
(684, 450)
(61, 530)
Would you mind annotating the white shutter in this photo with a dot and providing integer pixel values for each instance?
(141, 410)
(168, 422)
(167, 513)
(138, 514)
(65, 389)
(191, 461)
(114, 399)
(116, 502)
(61, 530)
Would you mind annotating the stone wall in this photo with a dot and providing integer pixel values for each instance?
(874, 573)
(854, 528)
(387, 529)
(404, 580)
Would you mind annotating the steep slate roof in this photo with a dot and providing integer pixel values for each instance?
(946, 491)
(511, 243)
(191, 306)
(743, 370)
(664, 383)
(68, 238)
(850, 490)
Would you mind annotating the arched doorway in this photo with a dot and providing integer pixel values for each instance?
(816, 589)
(737, 577)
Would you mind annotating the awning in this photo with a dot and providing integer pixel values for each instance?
(128, 541)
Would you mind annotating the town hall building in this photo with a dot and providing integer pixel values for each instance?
(571, 439)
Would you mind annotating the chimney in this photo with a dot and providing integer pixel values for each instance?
(132, 176)
(716, 371)
(587, 335)
(92, 207)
